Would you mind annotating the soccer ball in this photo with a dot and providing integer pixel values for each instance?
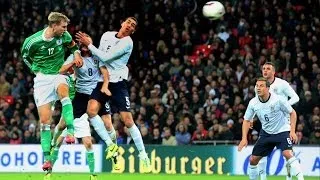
(213, 10)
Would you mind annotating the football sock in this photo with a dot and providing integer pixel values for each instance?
(295, 168)
(262, 166)
(46, 140)
(253, 172)
(99, 127)
(136, 136)
(90, 160)
(67, 114)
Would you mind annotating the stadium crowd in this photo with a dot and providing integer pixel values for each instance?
(191, 78)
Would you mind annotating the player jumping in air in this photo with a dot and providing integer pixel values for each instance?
(43, 52)
(114, 50)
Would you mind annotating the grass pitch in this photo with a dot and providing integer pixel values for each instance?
(72, 176)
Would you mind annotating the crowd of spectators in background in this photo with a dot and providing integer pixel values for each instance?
(179, 94)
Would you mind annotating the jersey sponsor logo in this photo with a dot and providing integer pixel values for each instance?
(42, 47)
(59, 42)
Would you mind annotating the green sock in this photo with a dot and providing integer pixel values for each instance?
(90, 159)
(67, 114)
(46, 140)
(54, 155)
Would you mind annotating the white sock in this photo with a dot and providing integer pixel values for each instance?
(253, 172)
(99, 127)
(262, 166)
(112, 134)
(136, 136)
(295, 168)
(289, 175)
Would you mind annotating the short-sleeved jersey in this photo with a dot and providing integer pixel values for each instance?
(272, 113)
(45, 55)
(88, 75)
(114, 53)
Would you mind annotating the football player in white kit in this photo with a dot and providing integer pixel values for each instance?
(284, 90)
(277, 131)
(114, 50)
(87, 78)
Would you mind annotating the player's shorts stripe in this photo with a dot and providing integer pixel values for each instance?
(29, 44)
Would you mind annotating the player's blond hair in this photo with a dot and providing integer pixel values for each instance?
(56, 18)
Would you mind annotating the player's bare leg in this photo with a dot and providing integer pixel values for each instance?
(57, 131)
(67, 111)
(45, 114)
(136, 136)
(293, 165)
(98, 125)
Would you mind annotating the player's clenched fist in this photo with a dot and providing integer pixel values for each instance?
(78, 61)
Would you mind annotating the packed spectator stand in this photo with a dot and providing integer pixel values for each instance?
(191, 78)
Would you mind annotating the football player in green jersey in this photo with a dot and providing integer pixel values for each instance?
(43, 52)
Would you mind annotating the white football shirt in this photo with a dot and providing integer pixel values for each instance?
(88, 75)
(115, 54)
(272, 114)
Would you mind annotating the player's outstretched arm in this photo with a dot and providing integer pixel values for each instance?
(66, 68)
(67, 65)
(113, 53)
(73, 47)
(78, 61)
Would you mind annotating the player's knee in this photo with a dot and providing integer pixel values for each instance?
(287, 154)
(127, 118)
(63, 91)
(92, 111)
(45, 119)
(254, 160)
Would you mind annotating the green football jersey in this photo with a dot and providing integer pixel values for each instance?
(43, 55)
